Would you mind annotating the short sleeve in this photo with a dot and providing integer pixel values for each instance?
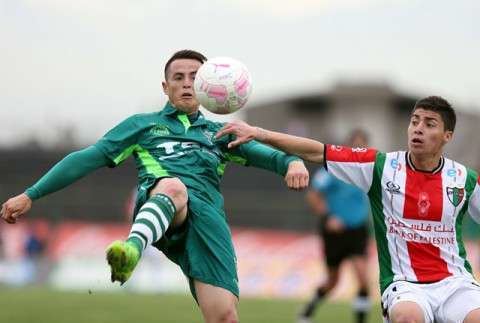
(352, 165)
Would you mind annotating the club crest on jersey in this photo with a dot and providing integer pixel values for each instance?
(455, 195)
(160, 130)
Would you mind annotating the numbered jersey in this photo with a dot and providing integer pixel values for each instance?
(168, 144)
(417, 215)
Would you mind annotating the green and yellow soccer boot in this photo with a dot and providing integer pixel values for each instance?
(122, 256)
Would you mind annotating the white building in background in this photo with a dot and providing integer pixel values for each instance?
(377, 108)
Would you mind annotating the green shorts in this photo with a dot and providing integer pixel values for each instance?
(202, 247)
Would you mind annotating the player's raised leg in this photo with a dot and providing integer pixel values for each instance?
(166, 206)
(217, 304)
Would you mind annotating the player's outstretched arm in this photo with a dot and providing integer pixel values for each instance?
(263, 156)
(14, 207)
(68, 170)
(307, 149)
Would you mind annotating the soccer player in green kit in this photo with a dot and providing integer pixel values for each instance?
(179, 206)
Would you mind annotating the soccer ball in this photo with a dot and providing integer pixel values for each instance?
(222, 85)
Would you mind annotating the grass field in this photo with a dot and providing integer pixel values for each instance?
(36, 305)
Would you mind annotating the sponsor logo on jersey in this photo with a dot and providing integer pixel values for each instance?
(171, 147)
(452, 172)
(395, 164)
(160, 130)
(336, 148)
(393, 188)
(210, 135)
(455, 195)
(359, 150)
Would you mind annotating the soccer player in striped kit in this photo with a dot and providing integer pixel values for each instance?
(418, 199)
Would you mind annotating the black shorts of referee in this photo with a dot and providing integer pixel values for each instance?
(339, 246)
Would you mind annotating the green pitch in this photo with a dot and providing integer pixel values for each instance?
(47, 306)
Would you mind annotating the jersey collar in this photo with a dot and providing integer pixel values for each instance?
(170, 110)
(437, 169)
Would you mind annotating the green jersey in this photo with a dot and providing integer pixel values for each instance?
(167, 144)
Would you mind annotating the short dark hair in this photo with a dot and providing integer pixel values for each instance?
(442, 107)
(184, 54)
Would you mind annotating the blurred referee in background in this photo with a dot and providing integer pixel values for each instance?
(343, 212)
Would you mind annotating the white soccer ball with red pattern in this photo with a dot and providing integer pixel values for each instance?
(222, 85)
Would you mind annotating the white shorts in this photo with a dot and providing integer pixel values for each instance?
(446, 301)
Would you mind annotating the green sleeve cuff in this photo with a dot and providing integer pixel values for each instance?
(33, 193)
(259, 155)
(287, 160)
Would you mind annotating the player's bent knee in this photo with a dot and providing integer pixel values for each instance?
(405, 318)
(227, 315)
(174, 188)
(407, 312)
(223, 315)
(230, 317)
(220, 313)
(473, 316)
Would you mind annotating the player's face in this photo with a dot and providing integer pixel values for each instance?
(178, 85)
(427, 134)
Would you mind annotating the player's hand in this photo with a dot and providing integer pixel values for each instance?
(297, 175)
(242, 130)
(334, 225)
(15, 207)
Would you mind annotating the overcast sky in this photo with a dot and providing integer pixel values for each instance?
(88, 64)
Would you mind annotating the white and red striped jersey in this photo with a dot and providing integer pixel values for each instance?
(417, 215)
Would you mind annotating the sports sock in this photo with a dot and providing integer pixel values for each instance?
(361, 305)
(151, 221)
